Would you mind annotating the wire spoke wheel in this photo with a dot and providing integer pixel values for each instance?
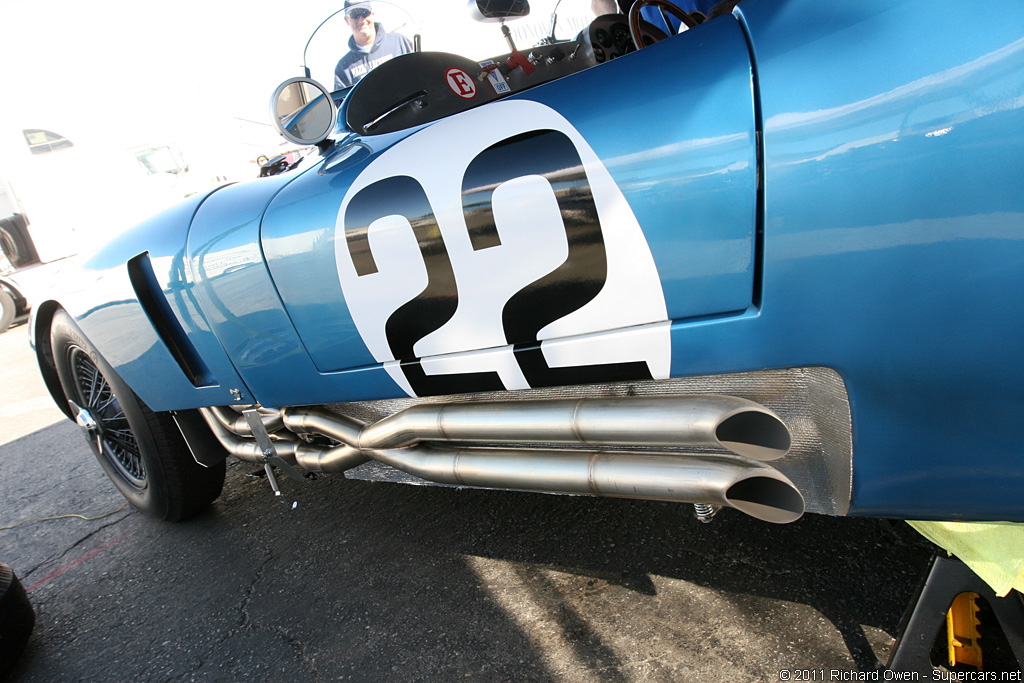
(143, 452)
(113, 436)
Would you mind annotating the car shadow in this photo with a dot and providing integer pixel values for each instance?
(374, 581)
(855, 573)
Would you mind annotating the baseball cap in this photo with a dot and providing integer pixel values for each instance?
(352, 5)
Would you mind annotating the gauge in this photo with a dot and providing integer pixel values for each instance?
(598, 55)
(620, 33)
(603, 37)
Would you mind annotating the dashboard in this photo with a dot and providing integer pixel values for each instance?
(608, 37)
(421, 87)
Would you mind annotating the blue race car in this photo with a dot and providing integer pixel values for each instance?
(773, 262)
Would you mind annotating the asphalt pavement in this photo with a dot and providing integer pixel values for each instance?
(370, 581)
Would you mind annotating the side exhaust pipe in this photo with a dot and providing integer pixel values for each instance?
(750, 431)
(754, 488)
(291, 450)
(236, 424)
(735, 424)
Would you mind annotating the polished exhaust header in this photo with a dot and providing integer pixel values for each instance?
(287, 446)
(735, 424)
(751, 487)
(436, 442)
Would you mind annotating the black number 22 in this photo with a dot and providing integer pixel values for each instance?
(570, 286)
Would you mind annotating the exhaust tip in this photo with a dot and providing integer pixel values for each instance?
(767, 498)
(754, 434)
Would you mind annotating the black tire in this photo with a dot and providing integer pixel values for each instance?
(16, 243)
(17, 618)
(142, 452)
(7, 310)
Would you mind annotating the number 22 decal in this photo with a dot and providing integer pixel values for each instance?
(509, 245)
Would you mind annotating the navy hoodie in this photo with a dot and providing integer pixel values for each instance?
(356, 64)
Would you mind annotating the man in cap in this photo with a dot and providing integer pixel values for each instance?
(369, 47)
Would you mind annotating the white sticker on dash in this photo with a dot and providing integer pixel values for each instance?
(495, 78)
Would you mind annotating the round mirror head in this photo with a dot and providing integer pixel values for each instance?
(493, 11)
(303, 111)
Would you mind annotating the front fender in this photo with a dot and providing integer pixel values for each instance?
(132, 298)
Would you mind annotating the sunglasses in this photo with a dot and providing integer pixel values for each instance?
(359, 14)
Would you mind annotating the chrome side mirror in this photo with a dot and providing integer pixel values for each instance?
(303, 111)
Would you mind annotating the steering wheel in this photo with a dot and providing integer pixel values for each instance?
(635, 21)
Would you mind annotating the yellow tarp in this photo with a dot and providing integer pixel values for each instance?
(993, 550)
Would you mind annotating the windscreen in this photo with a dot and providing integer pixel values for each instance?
(337, 60)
